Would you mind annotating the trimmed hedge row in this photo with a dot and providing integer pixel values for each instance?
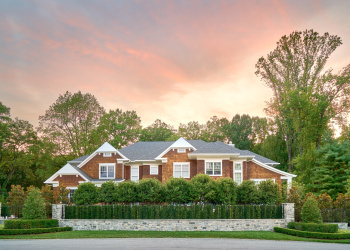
(317, 235)
(313, 227)
(34, 230)
(174, 212)
(30, 224)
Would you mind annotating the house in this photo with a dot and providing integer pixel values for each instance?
(165, 159)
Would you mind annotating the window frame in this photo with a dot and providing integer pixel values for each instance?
(237, 172)
(182, 164)
(181, 150)
(107, 154)
(154, 167)
(213, 162)
(106, 165)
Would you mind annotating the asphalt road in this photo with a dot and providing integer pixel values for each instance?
(170, 243)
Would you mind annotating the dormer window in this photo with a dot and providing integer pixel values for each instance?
(181, 150)
(107, 154)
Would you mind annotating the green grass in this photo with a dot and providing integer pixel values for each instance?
(261, 235)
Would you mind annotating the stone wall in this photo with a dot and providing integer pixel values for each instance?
(175, 225)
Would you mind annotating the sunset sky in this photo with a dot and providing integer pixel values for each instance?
(178, 61)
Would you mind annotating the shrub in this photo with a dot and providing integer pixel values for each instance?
(126, 192)
(177, 190)
(60, 195)
(269, 192)
(47, 194)
(325, 201)
(342, 201)
(150, 190)
(226, 191)
(317, 235)
(87, 193)
(34, 205)
(27, 224)
(294, 197)
(16, 196)
(107, 192)
(201, 188)
(314, 227)
(34, 230)
(310, 211)
(247, 193)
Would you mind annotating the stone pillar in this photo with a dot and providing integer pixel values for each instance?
(58, 211)
(288, 211)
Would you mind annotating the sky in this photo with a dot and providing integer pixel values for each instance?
(178, 61)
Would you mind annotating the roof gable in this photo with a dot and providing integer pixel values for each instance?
(67, 169)
(180, 143)
(106, 147)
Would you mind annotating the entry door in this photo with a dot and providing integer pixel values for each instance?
(134, 173)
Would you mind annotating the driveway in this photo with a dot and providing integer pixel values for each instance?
(170, 243)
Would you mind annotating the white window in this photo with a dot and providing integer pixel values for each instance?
(181, 150)
(107, 171)
(181, 169)
(153, 169)
(257, 181)
(213, 168)
(107, 154)
(238, 173)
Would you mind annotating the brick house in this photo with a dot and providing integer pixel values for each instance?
(162, 160)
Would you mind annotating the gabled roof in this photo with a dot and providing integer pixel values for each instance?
(68, 169)
(261, 158)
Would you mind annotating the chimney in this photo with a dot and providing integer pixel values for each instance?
(230, 144)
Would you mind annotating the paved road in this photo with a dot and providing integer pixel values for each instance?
(148, 243)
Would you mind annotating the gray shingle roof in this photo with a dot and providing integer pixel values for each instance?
(259, 157)
(143, 150)
(80, 159)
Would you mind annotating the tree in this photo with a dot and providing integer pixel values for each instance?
(240, 131)
(177, 190)
(86, 194)
(310, 212)
(107, 192)
(16, 196)
(126, 192)
(34, 205)
(226, 191)
(191, 131)
(305, 96)
(69, 121)
(60, 195)
(118, 127)
(247, 192)
(269, 192)
(201, 188)
(332, 169)
(158, 131)
(150, 191)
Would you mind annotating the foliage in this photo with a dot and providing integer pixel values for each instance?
(201, 188)
(107, 192)
(177, 190)
(247, 192)
(27, 224)
(310, 213)
(86, 194)
(313, 227)
(240, 130)
(324, 201)
(34, 230)
(60, 195)
(342, 201)
(47, 194)
(269, 192)
(158, 131)
(34, 205)
(306, 97)
(225, 192)
(150, 190)
(126, 192)
(16, 196)
(316, 235)
(68, 123)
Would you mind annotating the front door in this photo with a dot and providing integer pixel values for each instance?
(134, 176)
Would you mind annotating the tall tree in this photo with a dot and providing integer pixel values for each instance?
(69, 121)
(158, 131)
(305, 96)
(191, 131)
(240, 131)
(214, 130)
(118, 127)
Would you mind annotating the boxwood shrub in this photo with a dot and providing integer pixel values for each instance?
(34, 230)
(29, 224)
(313, 227)
(317, 235)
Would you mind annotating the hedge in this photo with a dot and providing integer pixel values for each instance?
(174, 212)
(34, 230)
(30, 224)
(317, 235)
(313, 227)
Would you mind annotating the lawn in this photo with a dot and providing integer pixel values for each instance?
(261, 235)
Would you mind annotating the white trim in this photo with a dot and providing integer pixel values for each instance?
(138, 172)
(258, 181)
(213, 161)
(180, 143)
(155, 167)
(65, 170)
(274, 169)
(181, 150)
(106, 165)
(237, 171)
(182, 164)
(107, 154)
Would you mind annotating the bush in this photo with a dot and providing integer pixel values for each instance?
(247, 193)
(60, 195)
(310, 211)
(34, 205)
(313, 227)
(177, 190)
(107, 192)
(126, 192)
(342, 201)
(334, 236)
(34, 230)
(325, 201)
(269, 193)
(87, 193)
(201, 188)
(150, 190)
(27, 224)
(226, 191)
